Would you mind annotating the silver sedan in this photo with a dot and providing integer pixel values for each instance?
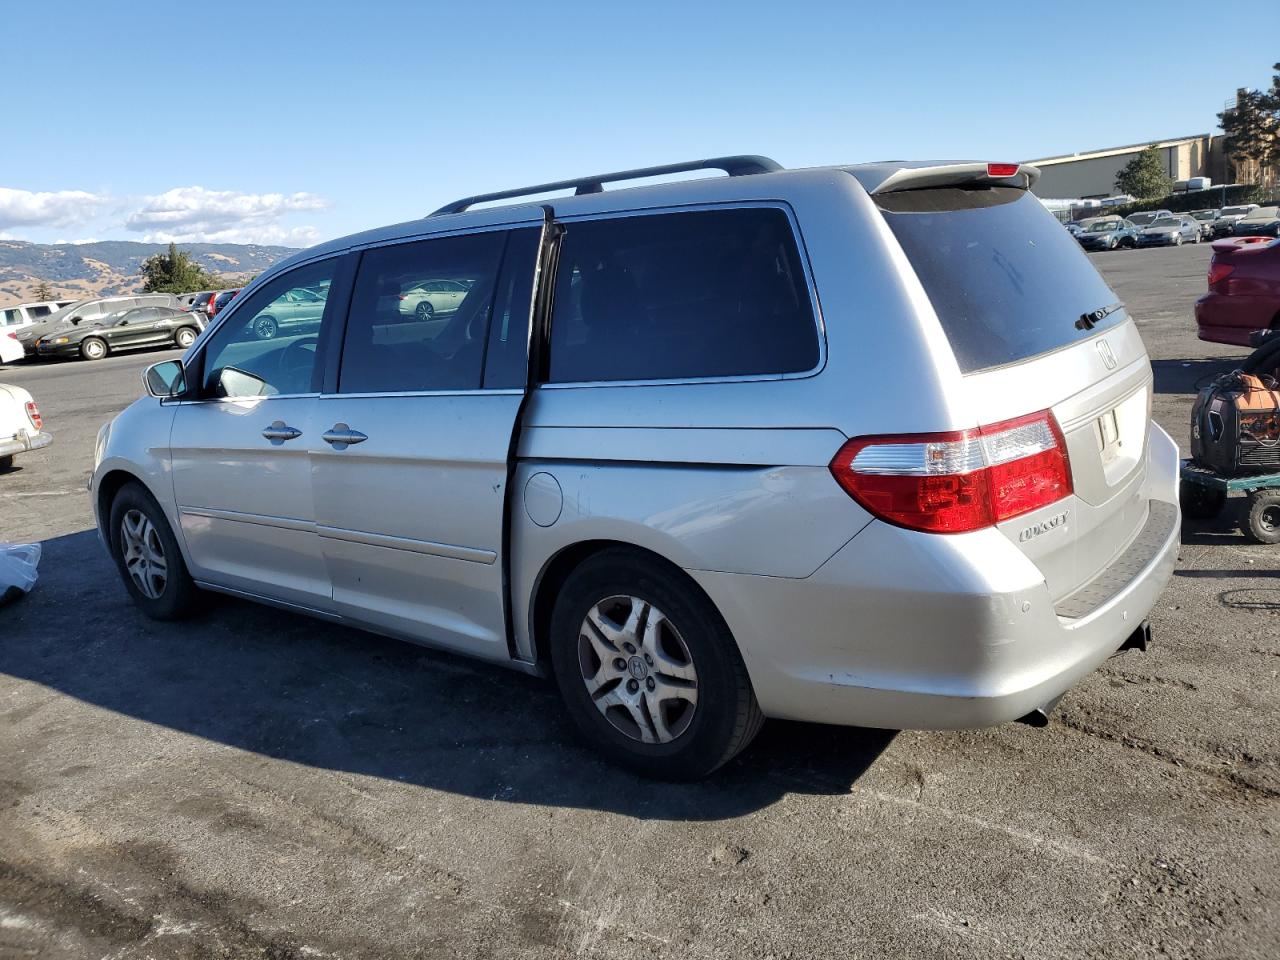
(1170, 232)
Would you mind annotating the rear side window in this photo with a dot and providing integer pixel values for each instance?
(1006, 281)
(717, 293)
(38, 312)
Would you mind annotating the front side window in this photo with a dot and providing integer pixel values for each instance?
(268, 346)
(420, 314)
(717, 293)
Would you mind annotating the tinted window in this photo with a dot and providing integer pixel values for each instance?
(38, 312)
(12, 316)
(406, 333)
(506, 364)
(673, 296)
(269, 345)
(1006, 282)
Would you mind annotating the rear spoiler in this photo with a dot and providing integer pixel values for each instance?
(1238, 244)
(886, 178)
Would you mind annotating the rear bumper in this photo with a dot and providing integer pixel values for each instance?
(1234, 319)
(916, 631)
(24, 442)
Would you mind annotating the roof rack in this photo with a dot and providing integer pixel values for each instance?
(734, 166)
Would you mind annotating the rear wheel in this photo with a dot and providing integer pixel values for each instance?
(93, 349)
(148, 557)
(185, 337)
(648, 669)
(1200, 502)
(424, 311)
(1264, 516)
(6, 463)
(264, 328)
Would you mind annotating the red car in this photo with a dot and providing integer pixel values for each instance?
(1244, 291)
(220, 302)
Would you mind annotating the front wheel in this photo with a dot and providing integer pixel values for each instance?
(264, 328)
(148, 557)
(424, 311)
(648, 670)
(185, 337)
(6, 463)
(93, 349)
(1177, 239)
(1264, 516)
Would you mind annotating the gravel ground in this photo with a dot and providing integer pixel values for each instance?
(255, 784)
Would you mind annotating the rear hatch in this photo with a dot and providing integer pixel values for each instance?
(1034, 327)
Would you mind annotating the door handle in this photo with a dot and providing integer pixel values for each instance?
(342, 436)
(279, 432)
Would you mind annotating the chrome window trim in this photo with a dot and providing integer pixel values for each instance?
(177, 402)
(379, 394)
(815, 304)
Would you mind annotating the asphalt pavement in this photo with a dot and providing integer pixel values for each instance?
(257, 784)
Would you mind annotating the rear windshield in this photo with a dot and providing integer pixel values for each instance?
(1005, 279)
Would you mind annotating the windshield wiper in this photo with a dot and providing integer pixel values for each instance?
(1088, 321)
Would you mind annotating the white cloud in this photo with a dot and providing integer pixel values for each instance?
(194, 214)
(60, 208)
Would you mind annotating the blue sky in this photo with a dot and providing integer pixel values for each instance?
(294, 122)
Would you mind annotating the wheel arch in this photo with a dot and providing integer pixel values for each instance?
(108, 488)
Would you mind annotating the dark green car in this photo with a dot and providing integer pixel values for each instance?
(135, 329)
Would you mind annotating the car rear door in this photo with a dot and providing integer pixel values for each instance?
(240, 467)
(410, 457)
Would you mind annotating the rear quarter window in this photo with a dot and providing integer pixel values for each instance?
(1006, 281)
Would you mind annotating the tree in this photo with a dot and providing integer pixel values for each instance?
(42, 291)
(175, 272)
(1249, 132)
(1144, 176)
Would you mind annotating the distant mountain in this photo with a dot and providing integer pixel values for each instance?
(78, 270)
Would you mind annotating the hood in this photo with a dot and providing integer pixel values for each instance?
(1159, 231)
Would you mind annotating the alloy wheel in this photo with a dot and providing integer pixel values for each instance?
(424, 310)
(143, 554)
(637, 669)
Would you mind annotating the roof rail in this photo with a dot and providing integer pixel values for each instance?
(733, 166)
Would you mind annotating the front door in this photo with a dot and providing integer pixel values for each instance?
(410, 464)
(241, 471)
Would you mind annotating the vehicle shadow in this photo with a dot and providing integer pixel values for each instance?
(1188, 376)
(293, 688)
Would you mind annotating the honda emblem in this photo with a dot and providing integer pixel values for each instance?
(1108, 357)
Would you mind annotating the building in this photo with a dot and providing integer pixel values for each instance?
(1092, 175)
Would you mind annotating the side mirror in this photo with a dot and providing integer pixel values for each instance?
(75, 320)
(165, 379)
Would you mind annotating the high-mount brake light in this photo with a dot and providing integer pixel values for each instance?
(958, 481)
(1003, 169)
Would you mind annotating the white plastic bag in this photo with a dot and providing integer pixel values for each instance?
(18, 563)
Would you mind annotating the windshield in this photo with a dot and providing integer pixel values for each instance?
(1264, 213)
(1165, 222)
(1105, 226)
(1234, 211)
(1203, 214)
(1006, 282)
(1141, 219)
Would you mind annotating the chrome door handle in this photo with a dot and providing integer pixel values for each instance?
(342, 436)
(279, 432)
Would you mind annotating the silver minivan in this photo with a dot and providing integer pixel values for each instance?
(860, 445)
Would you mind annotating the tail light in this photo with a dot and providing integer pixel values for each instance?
(958, 481)
(1219, 272)
(33, 414)
(403, 297)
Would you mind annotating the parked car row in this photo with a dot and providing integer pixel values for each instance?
(1156, 228)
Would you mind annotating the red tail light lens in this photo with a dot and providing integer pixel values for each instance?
(33, 414)
(1002, 169)
(958, 481)
(1219, 272)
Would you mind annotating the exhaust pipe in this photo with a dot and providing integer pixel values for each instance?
(1039, 717)
(1140, 639)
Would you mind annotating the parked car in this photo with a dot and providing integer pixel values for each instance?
(204, 303)
(296, 311)
(1228, 217)
(134, 329)
(1075, 227)
(1109, 234)
(1262, 222)
(21, 426)
(86, 311)
(424, 300)
(1147, 217)
(1244, 291)
(1206, 219)
(1169, 231)
(673, 521)
(25, 314)
(221, 301)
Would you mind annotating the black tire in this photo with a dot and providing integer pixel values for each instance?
(424, 311)
(1200, 502)
(184, 337)
(179, 597)
(265, 328)
(93, 349)
(1177, 239)
(6, 463)
(726, 716)
(1263, 524)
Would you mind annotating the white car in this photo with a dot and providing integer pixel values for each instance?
(433, 297)
(10, 347)
(21, 428)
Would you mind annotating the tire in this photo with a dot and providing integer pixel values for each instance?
(1200, 502)
(6, 463)
(184, 337)
(1111, 244)
(1177, 239)
(93, 349)
(165, 594)
(265, 328)
(690, 651)
(424, 311)
(1263, 524)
